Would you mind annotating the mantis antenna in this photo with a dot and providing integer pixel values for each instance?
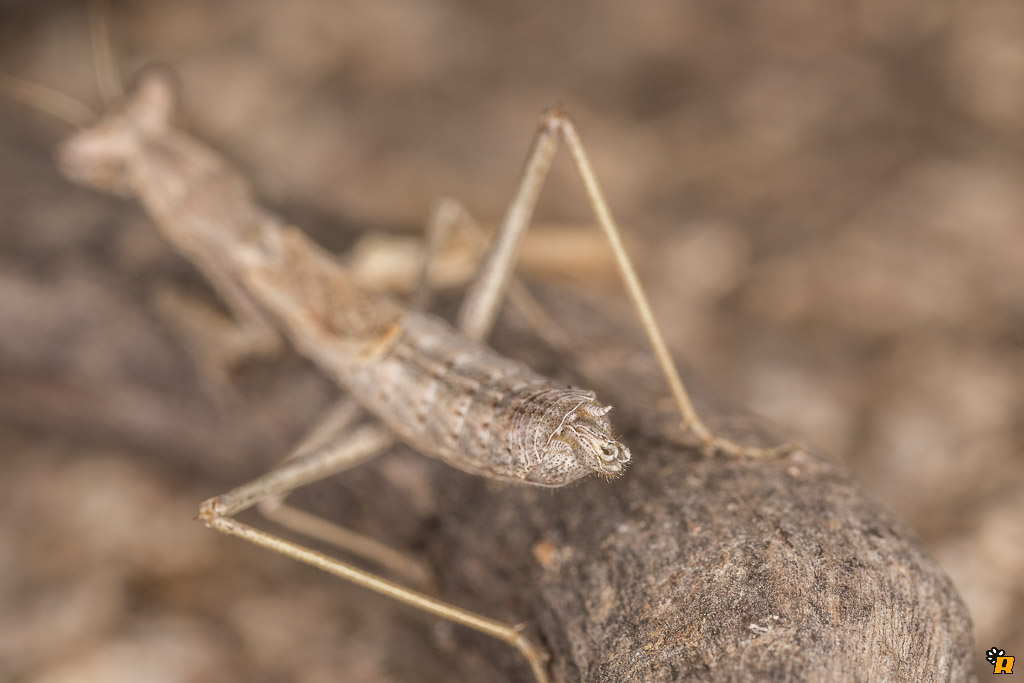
(65, 107)
(46, 99)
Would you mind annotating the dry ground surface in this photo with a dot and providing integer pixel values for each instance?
(826, 200)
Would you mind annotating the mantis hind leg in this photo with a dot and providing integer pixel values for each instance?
(448, 216)
(487, 293)
(337, 454)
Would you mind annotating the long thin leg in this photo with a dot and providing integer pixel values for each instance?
(483, 300)
(334, 428)
(485, 295)
(449, 214)
(503, 632)
(361, 445)
(397, 563)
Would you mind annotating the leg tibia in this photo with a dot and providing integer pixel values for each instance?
(493, 282)
(331, 457)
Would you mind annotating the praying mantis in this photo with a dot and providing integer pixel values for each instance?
(434, 386)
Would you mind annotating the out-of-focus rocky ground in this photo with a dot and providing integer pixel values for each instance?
(826, 202)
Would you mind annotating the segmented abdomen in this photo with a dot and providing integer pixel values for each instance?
(445, 395)
(458, 400)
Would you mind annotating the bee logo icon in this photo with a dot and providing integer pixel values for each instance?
(1001, 664)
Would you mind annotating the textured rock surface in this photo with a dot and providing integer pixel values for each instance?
(698, 569)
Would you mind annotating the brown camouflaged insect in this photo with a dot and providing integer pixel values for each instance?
(439, 388)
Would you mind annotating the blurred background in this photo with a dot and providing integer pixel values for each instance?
(825, 200)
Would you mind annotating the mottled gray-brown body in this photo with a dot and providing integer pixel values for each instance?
(443, 394)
